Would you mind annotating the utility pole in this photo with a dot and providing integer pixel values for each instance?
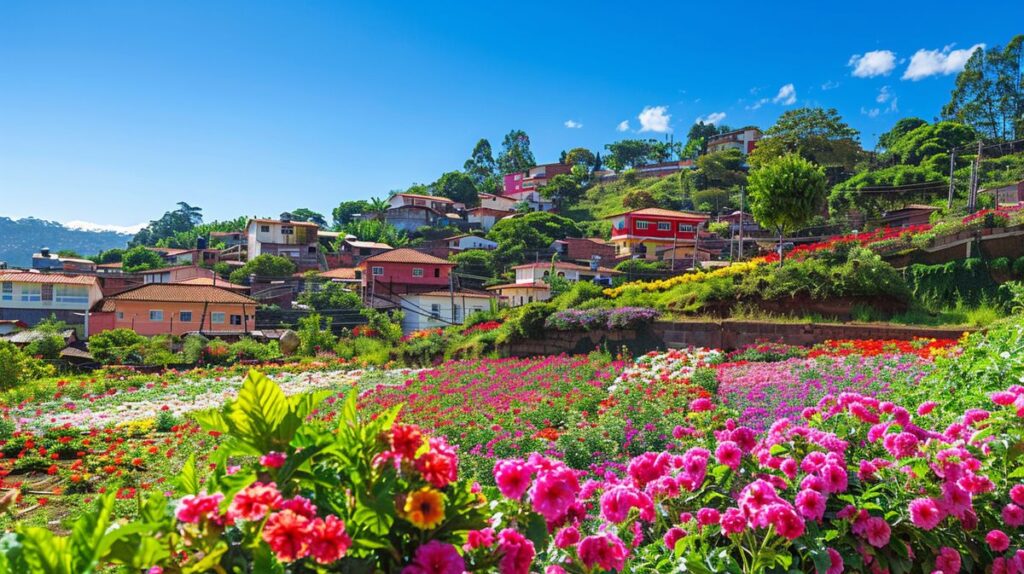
(743, 190)
(952, 182)
(972, 200)
(451, 294)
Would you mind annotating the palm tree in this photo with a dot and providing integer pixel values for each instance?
(193, 214)
(378, 206)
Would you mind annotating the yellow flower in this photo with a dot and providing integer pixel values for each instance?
(424, 508)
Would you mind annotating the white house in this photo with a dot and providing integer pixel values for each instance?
(31, 297)
(296, 240)
(463, 242)
(486, 217)
(434, 309)
(531, 284)
(498, 202)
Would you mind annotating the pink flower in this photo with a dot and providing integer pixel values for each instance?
(786, 521)
(516, 552)
(273, 459)
(1017, 494)
(810, 504)
(701, 405)
(567, 537)
(288, 535)
(604, 550)
(554, 569)
(479, 539)
(835, 478)
(733, 521)
(513, 477)
(924, 513)
(997, 540)
(707, 516)
(439, 465)
(835, 562)
(254, 502)
(926, 408)
(194, 508)
(328, 541)
(674, 534)
(877, 531)
(1003, 398)
(300, 506)
(729, 454)
(948, 561)
(436, 557)
(1013, 515)
(554, 492)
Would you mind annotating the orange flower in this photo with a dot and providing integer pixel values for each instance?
(424, 508)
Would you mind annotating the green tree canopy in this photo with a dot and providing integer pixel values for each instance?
(929, 144)
(265, 265)
(330, 295)
(536, 230)
(629, 153)
(456, 186)
(306, 214)
(139, 258)
(563, 190)
(342, 214)
(580, 156)
(182, 219)
(698, 136)
(816, 134)
(515, 153)
(989, 92)
(785, 193)
(376, 230)
(901, 128)
(721, 169)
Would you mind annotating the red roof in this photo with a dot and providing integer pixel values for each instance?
(406, 255)
(659, 212)
(430, 197)
(213, 282)
(340, 273)
(180, 293)
(48, 278)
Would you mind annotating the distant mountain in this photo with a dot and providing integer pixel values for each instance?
(20, 238)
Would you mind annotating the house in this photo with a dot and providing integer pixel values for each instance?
(214, 282)
(441, 308)
(174, 256)
(409, 218)
(175, 274)
(913, 214)
(531, 284)
(31, 297)
(401, 271)
(642, 231)
(1007, 194)
(744, 140)
(25, 338)
(45, 260)
(734, 220)
(8, 326)
(486, 217)
(498, 202)
(465, 241)
(296, 240)
(177, 309)
(534, 178)
(664, 168)
(583, 249)
(360, 250)
(228, 238)
(344, 275)
(437, 203)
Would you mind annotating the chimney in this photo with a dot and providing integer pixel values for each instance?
(45, 252)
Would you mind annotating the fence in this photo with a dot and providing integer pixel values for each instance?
(289, 318)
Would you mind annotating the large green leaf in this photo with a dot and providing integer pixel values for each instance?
(260, 408)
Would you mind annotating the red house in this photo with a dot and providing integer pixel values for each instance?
(401, 271)
(644, 231)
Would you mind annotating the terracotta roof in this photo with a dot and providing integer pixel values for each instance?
(490, 211)
(48, 278)
(448, 294)
(915, 207)
(368, 244)
(659, 212)
(534, 285)
(340, 273)
(179, 293)
(115, 265)
(163, 269)
(430, 197)
(406, 255)
(212, 282)
(279, 222)
(564, 265)
(170, 250)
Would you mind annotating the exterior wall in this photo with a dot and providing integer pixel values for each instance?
(486, 221)
(420, 310)
(743, 140)
(72, 298)
(496, 202)
(403, 200)
(472, 242)
(410, 219)
(583, 249)
(301, 246)
(433, 275)
(513, 183)
(135, 315)
(177, 275)
(515, 296)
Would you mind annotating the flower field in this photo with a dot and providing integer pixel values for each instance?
(852, 456)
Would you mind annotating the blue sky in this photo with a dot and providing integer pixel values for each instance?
(110, 112)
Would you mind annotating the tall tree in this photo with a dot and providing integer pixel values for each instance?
(377, 206)
(901, 128)
(562, 190)
(456, 186)
(785, 193)
(580, 156)
(721, 169)
(306, 214)
(816, 134)
(343, 214)
(698, 136)
(515, 153)
(626, 154)
(481, 165)
(989, 92)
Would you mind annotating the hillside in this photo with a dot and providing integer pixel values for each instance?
(604, 199)
(22, 237)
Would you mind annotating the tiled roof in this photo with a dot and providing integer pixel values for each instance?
(534, 285)
(164, 269)
(449, 294)
(180, 293)
(430, 197)
(340, 273)
(213, 282)
(406, 255)
(659, 212)
(368, 244)
(49, 278)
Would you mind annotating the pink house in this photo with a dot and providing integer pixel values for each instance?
(402, 271)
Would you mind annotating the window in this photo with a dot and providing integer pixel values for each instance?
(364, 251)
(217, 318)
(312, 248)
(156, 315)
(643, 225)
(435, 311)
(236, 319)
(378, 271)
(70, 294)
(185, 316)
(417, 272)
(30, 292)
(455, 314)
(664, 226)
(287, 230)
(264, 229)
(120, 315)
(686, 227)
(7, 291)
(437, 271)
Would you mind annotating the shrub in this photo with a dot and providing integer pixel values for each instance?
(315, 339)
(165, 421)
(16, 367)
(527, 321)
(1000, 264)
(193, 348)
(217, 352)
(580, 292)
(246, 349)
(1018, 267)
(47, 348)
(364, 350)
(387, 326)
(117, 346)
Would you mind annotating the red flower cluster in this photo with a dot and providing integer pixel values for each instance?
(925, 348)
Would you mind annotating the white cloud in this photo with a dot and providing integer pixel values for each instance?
(871, 64)
(655, 119)
(786, 95)
(893, 106)
(623, 126)
(712, 118)
(90, 226)
(573, 124)
(872, 113)
(947, 61)
(884, 95)
(829, 85)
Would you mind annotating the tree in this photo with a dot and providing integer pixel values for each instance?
(536, 230)
(580, 156)
(816, 134)
(377, 231)
(698, 136)
(117, 346)
(598, 162)
(182, 219)
(377, 206)
(482, 168)
(265, 265)
(712, 200)
(109, 256)
(342, 214)
(930, 143)
(330, 295)
(515, 154)
(901, 128)
(458, 187)
(989, 92)
(139, 258)
(625, 154)
(785, 193)
(69, 253)
(475, 262)
(721, 169)
(563, 190)
(639, 199)
(305, 214)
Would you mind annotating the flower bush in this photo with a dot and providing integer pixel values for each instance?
(595, 319)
